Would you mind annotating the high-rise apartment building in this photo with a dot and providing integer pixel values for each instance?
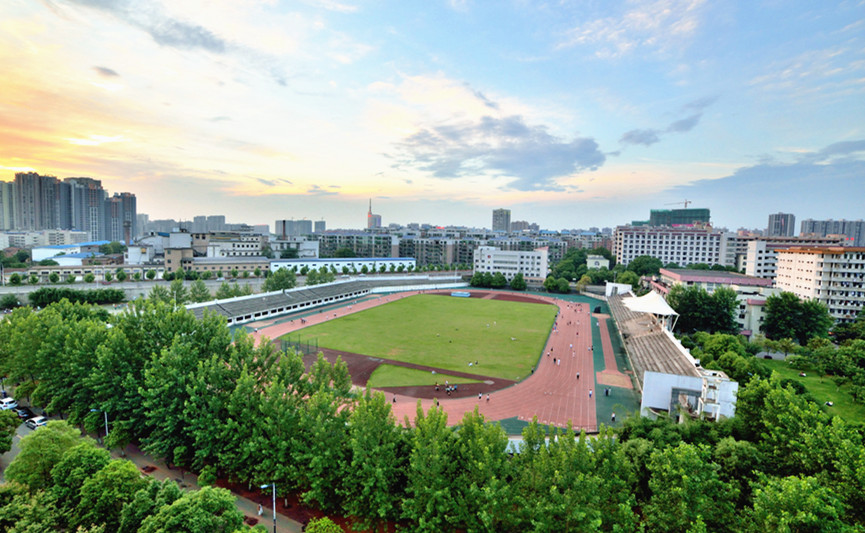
(120, 217)
(853, 230)
(373, 221)
(320, 226)
(832, 275)
(678, 217)
(87, 206)
(781, 225)
(7, 205)
(292, 228)
(682, 246)
(502, 220)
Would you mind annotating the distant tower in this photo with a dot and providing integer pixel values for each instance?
(502, 220)
(373, 221)
(781, 225)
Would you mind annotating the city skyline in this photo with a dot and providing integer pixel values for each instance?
(568, 115)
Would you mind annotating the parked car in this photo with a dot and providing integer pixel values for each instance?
(36, 422)
(24, 413)
(8, 403)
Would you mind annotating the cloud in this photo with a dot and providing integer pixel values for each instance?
(644, 137)
(650, 136)
(106, 72)
(814, 179)
(317, 190)
(685, 124)
(164, 30)
(503, 147)
(661, 25)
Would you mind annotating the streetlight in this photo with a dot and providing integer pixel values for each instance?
(274, 503)
(106, 420)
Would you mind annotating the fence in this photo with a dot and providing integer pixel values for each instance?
(306, 347)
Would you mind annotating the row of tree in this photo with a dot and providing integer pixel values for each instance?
(489, 280)
(189, 395)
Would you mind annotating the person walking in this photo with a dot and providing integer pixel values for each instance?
(590, 393)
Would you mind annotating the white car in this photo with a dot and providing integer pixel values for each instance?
(8, 403)
(36, 422)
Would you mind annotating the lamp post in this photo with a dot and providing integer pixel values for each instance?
(274, 503)
(106, 420)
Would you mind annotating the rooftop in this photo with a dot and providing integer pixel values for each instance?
(714, 276)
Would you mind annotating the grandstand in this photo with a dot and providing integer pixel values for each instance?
(245, 309)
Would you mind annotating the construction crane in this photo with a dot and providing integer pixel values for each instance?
(686, 202)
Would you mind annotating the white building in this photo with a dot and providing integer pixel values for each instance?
(597, 261)
(832, 275)
(761, 257)
(683, 246)
(532, 265)
(353, 264)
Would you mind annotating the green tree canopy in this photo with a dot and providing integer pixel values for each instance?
(645, 265)
(40, 452)
(787, 316)
(280, 280)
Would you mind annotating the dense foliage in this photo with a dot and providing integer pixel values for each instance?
(700, 311)
(49, 295)
(195, 398)
(61, 482)
(786, 316)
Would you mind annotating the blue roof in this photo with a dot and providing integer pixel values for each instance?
(59, 246)
(94, 243)
(82, 255)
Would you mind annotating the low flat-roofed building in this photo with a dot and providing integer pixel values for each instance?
(532, 265)
(708, 280)
(353, 264)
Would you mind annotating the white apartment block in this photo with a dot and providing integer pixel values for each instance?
(532, 265)
(761, 258)
(832, 275)
(683, 246)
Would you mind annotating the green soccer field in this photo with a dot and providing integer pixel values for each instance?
(504, 338)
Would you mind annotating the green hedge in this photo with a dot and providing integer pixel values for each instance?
(48, 295)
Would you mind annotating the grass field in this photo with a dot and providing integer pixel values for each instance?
(505, 338)
(823, 389)
(400, 376)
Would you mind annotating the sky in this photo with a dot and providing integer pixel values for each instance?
(571, 114)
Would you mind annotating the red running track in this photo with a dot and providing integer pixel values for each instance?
(553, 392)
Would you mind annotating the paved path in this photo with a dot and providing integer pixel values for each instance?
(611, 374)
(553, 392)
(159, 470)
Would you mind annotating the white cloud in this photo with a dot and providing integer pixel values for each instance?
(661, 25)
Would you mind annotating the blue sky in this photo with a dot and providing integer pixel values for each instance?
(571, 114)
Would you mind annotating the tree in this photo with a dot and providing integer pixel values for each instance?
(551, 283)
(234, 273)
(344, 252)
(563, 286)
(199, 292)
(280, 280)
(104, 495)
(288, 253)
(584, 282)
(9, 301)
(160, 293)
(40, 452)
(700, 311)
(796, 504)
(628, 277)
(89, 277)
(8, 426)
(77, 465)
(178, 292)
(257, 272)
(372, 486)
(499, 281)
(267, 252)
(430, 499)
(15, 279)
(685, 487)
(151, 274)
(146, 502)
(70, 279)
(322, 525)
(33, 279)
(108, 276)
(48, 262)
(209, 509)
(54, 277)
(787, 316)
(645, 265)
(519, 282)
(114, 247)
(121, 275)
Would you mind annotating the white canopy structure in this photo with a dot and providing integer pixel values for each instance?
(652, 303)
